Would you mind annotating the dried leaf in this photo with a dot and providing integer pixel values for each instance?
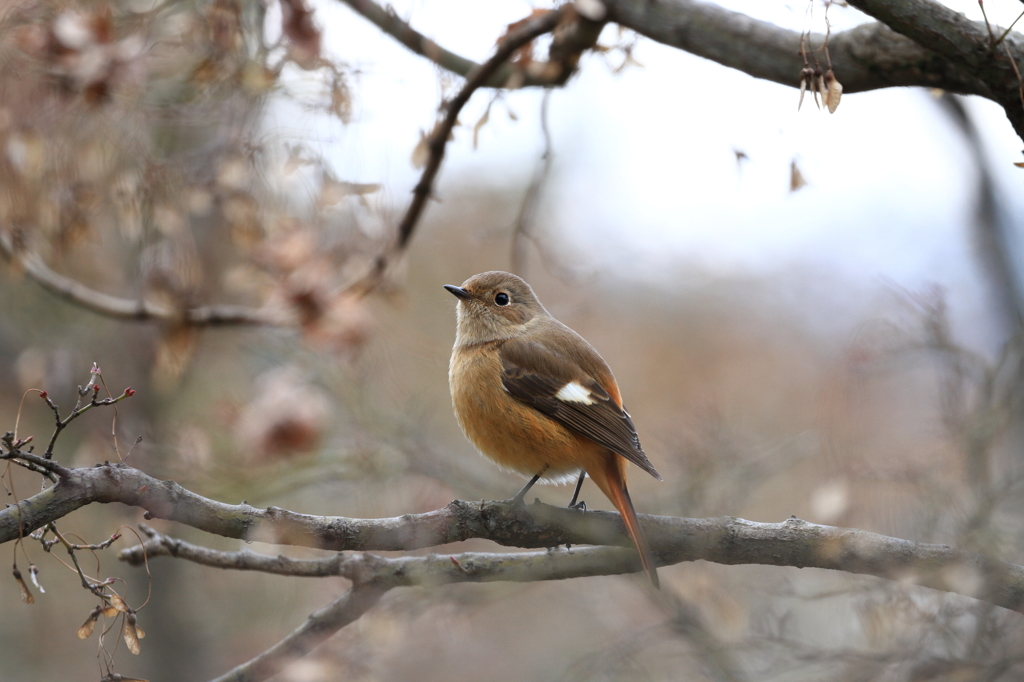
(796, 178)
(26, 594)
(131, 636)
(421, 152)
(172, 356)
(85, 631)
(341, 98)
(297, 24)
(835, 92)
(480, 124)
(803, 91)
(118, 603)
(1019, 164)
(333, 191)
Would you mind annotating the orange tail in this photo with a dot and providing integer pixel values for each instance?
(610, 477)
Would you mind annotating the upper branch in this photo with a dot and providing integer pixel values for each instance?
(581, 36)
(867, 57)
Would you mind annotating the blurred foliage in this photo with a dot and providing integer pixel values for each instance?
(133, 160)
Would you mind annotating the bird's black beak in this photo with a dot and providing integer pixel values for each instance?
(458, 291)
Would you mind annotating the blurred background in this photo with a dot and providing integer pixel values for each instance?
(808, 314)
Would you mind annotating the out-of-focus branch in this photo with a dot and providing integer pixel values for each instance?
(320, 626)
(127, 309)
(438, 140)
(523, 229)
(581, 36)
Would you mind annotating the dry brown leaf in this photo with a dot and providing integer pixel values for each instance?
(421, 152)
(480, 124)
(118, 603)
(835, 92)
(796, 178)
(131, 637)
(297, 24)
(172, 357)
(26, 594)
(85, 631)
(333, 191)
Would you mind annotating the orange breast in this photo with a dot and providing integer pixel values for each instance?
(514, 435)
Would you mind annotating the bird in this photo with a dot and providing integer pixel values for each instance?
(537, 399)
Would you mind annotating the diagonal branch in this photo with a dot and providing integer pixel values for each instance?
(581, 36)
(127, 309)
(438, 140)
(320, 625)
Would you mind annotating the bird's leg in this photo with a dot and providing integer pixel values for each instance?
(582, 506)
(518, 499)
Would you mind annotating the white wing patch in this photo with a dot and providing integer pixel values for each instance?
(572, 392)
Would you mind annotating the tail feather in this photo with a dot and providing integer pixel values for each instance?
(611, 479)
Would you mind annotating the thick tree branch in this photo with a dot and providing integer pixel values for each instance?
(722, 540)
(868, 57)
(966, 44)
(127, 309)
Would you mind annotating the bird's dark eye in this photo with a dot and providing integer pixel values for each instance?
(501, 298)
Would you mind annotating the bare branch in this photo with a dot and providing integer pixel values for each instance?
(385, 19)
(723, 540)
(523, 228)
(438, 142)
(868, 57)
(966, 44)
(320, 625)
(127, 309)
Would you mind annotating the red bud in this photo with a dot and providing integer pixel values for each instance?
(43, 394)
(129, 392)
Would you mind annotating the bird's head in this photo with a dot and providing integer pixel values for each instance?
(492, 306)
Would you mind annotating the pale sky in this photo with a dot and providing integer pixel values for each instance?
(645, 177)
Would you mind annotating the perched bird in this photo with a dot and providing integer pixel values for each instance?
(536, 398)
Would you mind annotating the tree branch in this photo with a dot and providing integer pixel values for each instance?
(966, 44)
(320, 625)
(723, 540)
(128, 309)
(537, 26)
(868, 57)
(582, 37)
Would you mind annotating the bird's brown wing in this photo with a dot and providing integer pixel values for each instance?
(558, 387)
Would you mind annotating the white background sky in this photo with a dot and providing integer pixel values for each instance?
(645, 165)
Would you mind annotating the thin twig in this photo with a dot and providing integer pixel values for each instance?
(523, 229)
